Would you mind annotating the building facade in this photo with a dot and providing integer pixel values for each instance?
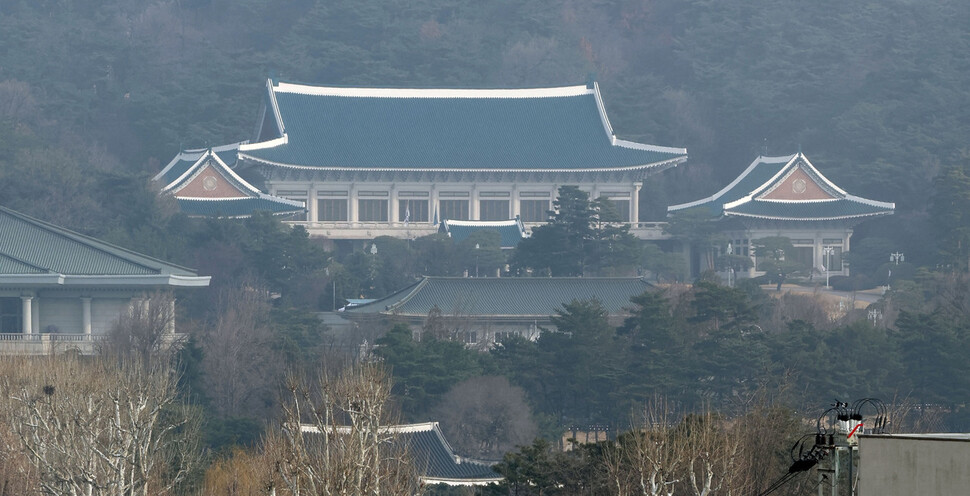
(377, 161)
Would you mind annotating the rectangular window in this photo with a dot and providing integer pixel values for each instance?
(534, 210)
(412, 210)
(622, 208)
(493, 210)
(453, 209)
(332, 210)
(372, 210)
(11, 311)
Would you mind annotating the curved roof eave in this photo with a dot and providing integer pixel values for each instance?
(805, 219)
(669, 162)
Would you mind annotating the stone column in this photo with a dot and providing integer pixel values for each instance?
(170, 321)
(86, 315)
(352, 204)
(635, 204)
(311, 203)
(474, 212)
(394, 213)
(27, 318)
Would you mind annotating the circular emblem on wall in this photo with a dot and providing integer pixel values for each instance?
(798, 186)
(209, 183)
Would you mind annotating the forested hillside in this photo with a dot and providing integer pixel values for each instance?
(95, 93)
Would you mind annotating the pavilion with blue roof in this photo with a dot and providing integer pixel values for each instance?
(787, 196)
(510, 231)
(204, 185)
(392, 161)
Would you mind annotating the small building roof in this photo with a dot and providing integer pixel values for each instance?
(510, 231)
(786, 188)
(433, 456)
(465, 130)
(34, 252)
(188, 158)
(206, 186)
(530, 297)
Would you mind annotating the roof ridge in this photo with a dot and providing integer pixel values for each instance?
(24, 262)
(94, 244)
(751, 167)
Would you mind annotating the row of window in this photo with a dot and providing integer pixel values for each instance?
(376, 210)
(11, 313)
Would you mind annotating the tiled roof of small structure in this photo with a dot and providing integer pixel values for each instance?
(179, 165)
(507, 296)
(434, 458)
(748, 195)
(30, 247)
(540, 129)
(178, 175)
(238, 207)
(510, 231)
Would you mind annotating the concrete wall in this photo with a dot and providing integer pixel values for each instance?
(937, 464)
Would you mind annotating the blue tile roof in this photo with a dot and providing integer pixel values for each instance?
(432, 455)
(507, 296)
(844, 208)
(742, 198)
(237, 207)
(178, 174)
(186, 159)
(358, 128)
(510, 231)
(32, 246)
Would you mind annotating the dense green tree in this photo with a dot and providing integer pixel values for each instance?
(425, 370)
(582, 237)
(951, 213)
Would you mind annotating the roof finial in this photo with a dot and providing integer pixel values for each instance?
(799, 148)
(273, 76)
(590, 80)
(765, 153)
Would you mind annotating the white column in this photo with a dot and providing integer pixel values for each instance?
(473, 210)
(170, 324)
(311, 200)
(352, 204)
(393, 216)
(86, 315)
(817, 256)
(35, 314)
(635, 203)
(28, 315)
(516, 210)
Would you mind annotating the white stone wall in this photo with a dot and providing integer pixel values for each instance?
(105, 313)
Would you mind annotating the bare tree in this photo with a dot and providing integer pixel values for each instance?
(646, 460)
(239, 363)
(145, 333)
(712, 450)
(98, 427)
(484, 417)
(334, 438)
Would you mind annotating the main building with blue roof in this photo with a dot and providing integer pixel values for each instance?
(383, 161)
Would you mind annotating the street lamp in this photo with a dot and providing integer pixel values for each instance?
(827, 251)
(894, 258)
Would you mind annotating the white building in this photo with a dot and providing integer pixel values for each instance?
(61, 290)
